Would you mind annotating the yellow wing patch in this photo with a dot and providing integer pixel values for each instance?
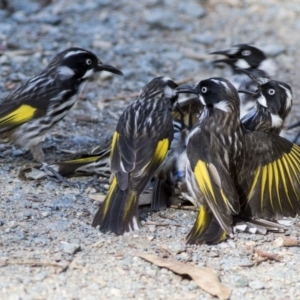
(202, 221)
(161, 149)
(278, 181)
(108, 199)
(205, 183)
(19, 116)
(113, 143)
(204, 180)
(82, 160)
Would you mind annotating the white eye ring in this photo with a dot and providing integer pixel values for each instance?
(271, 92)
(246, 52)
(88, 61)
(204, 90)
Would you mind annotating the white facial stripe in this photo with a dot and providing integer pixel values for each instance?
(223, 105)
(202, 100)
(216, 81)
(88, 73)
(262, 101)
(71, 53)
(276, 121)
(65, 72)
(221, 82)
(289, 96)
(242, 64)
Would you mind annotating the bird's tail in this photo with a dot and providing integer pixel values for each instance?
(206, 229)
(161, 194)
(119, 211)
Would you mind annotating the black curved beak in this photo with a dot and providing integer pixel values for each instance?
(229, 61)
(108, 68)
(258, 80)
(252, 93)
(221, 52)
(187, 89)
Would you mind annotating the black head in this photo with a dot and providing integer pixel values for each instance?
(216, 93)
(276, 96)
(160, 87)
(242, 56)
(77, 63)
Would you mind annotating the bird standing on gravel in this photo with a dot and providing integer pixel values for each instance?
(232, 171)
(140, 143)
(246, 57)
(32, 109)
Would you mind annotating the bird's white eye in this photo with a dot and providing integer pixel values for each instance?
(246, 52)
(88, 61)
(204, 89)
(271, 91)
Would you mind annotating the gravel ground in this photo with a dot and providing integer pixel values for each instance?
(47, 223)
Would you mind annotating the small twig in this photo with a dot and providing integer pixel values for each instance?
(284, 241)
(255, 263)
(16, 52)
(194, 55)
(193, 208)
(33, 264)
(161, 224)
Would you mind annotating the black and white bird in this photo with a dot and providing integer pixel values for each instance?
(139, 146)
(233, 172)
(273, 104)
(246, 57)
(31, 110)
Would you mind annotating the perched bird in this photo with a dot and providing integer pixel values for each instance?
(32, 109)
(213, 150)
(140, 143)
(233, 172)
(246, 57)
(273, 104)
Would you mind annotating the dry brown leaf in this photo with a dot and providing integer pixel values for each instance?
(206, 278)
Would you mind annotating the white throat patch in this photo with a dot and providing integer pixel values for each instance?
(88, 73)
(262, 101)
(242, 64)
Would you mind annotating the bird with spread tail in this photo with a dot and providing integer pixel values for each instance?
(31, 110)
(139, 146)
(232, 171)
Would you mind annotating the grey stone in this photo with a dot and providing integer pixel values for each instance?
(176, 247)
(70, 248)
(256, 285)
